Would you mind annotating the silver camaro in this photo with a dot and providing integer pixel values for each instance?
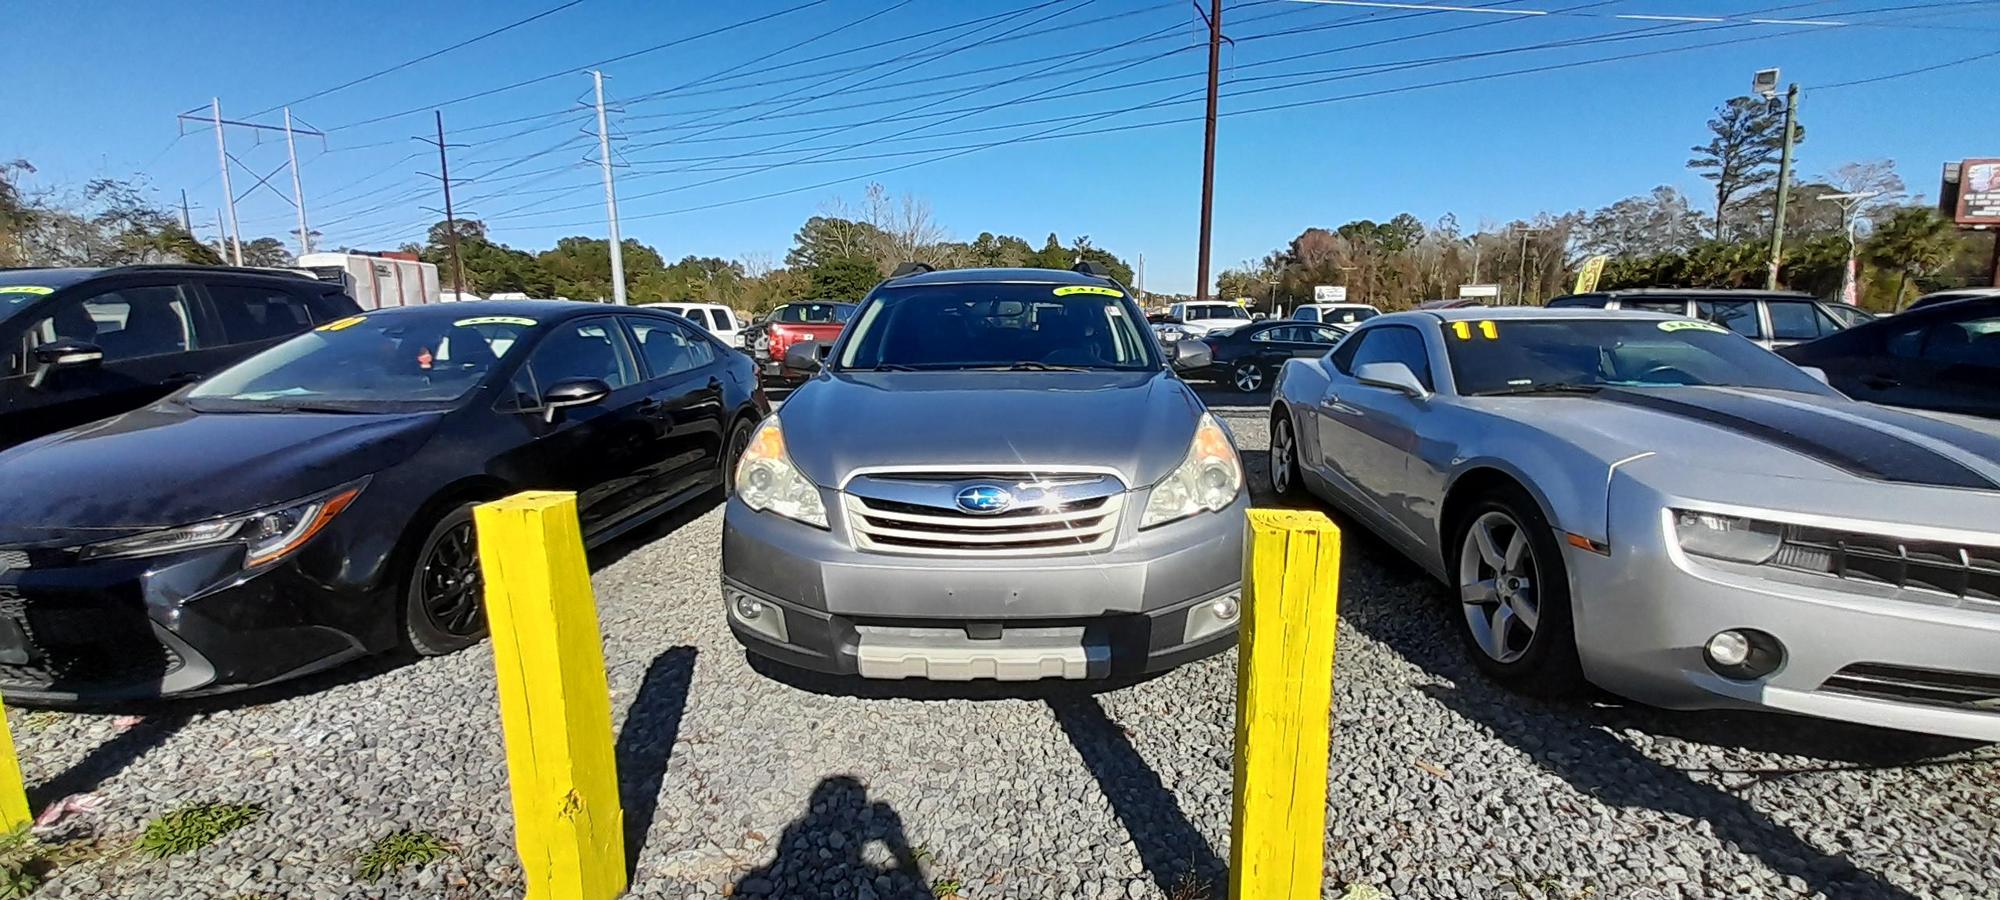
(1666, 510)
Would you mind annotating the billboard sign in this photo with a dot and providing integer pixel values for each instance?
(1329, 293)
(1979, 192)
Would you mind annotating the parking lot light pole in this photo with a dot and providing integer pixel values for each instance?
(610, 195)
(1784, 187)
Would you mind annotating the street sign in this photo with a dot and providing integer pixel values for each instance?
(1978, 192)
(1329, 293)
(1479, 292)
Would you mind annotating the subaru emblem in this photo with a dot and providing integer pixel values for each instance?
(984, 499)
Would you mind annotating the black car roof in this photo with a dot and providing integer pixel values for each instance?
(539, 310)
(64, 277)
(974, 276)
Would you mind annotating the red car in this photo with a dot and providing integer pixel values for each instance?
(815, 320)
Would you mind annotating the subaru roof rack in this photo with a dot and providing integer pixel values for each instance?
(912, 268)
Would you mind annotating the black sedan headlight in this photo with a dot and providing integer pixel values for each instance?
(267, 535)
(1732, 538)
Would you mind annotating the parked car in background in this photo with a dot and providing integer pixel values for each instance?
(79, 345)
(819, 321)
(1336, 313)
(1666, 510)
(1201, 318)
(1848, 316)
(1973, 293)
(1771, 318)
(1247, 358)
(313, 503)
(994, 476)
(1943, 357)
(719, 320)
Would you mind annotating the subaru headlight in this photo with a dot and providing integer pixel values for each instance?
(1209, 479)
(267, 535)
(767, 481)
(1732, 538)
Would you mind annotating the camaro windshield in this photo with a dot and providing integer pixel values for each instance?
(998, 326)
(1514, 356)
(368, 362)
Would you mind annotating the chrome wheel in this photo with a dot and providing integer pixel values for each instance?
(1497, 585)
(1249, 377)
(453, 593)
(1282, 450)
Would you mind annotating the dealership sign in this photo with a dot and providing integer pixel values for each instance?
(1979, 192)
(1329, 293)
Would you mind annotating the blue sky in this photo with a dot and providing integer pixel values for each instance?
(1488, 148)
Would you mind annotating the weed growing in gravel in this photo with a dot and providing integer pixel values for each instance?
(24, 862)
(1189, 886)
(404, 848)
(41, 720)
(946, 888)
(191, 828)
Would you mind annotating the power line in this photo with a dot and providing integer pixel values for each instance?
(1906, 73)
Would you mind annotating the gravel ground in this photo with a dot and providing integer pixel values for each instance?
(741, 784)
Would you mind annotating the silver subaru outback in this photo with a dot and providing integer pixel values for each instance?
(993, 474)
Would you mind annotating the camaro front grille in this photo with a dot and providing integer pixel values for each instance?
(1961, 690)
(1078, 526)
(1967, 572)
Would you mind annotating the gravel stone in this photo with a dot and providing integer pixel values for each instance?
(738, 783)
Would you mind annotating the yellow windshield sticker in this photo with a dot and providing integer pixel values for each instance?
(1691, 325)
(35, 289)
(339, 324)
(1489, 331)
(1462, 330)
(495, 320)
(1069, 289)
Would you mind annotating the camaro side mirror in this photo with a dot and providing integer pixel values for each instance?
(572, 392)
(803, 357)
(57, 356)
(1817, 373)
(1392, 375)
(1189, 355)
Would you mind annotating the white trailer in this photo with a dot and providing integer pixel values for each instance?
(377, 281)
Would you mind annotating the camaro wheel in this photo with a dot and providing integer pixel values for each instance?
(445, 603)
(1248, 377)
(1284, 456)
(1514, 594)
(739, 441)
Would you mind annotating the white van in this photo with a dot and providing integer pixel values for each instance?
(718, 319)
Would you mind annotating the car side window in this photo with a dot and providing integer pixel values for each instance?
(1390, 343)
(1274, 334)
(669, 348)
(520, 394)
(1800, 321)
(126, 323)
(1739, 316)
(1322, 335)
(1972, 340)
(1670, 307)
(589, 348)
(251, 312)
(725, 320)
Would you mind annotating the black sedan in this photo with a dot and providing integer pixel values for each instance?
(1248, 357)
(313, 503)
(1944, 357)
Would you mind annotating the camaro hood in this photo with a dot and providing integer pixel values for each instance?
(1772, 433)
(1138, 424)
(167, 465)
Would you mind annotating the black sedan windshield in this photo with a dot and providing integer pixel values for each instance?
(1514, 356)
(385, 361)
(998, 326)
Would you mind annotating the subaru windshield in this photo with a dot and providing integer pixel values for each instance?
(1005, 326)
(1512, 356)
(420, 359)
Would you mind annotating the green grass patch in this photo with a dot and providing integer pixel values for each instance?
(404, 848)
(946, 888)
(191, 828)
(24, 863)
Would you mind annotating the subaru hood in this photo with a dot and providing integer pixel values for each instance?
(1136, 424)
(167, 465)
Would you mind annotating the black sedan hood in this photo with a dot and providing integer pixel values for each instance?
(167, 465)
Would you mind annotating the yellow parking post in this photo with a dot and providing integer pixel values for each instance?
(554, 703)
(14, 814)
(1284, 703)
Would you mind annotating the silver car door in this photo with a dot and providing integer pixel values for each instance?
(1382, 425)
(1340, 431)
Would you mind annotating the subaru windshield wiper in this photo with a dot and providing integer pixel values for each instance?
(1553, 388)
(882, 367)
(1032, 366)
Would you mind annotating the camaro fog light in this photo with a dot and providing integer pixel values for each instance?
(1744, 654)
(748, 607)
(1224, 608)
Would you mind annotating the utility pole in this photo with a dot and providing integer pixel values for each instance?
(1140, 288)
(1784, 187)
(610, 195)
(1521, 295)
(450, 218)
(187, 222)
(1208, 146)
(298, 192)
(234, 235)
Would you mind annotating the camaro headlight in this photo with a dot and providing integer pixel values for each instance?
(767, 480)
(1733, 538)
(267, 535)
(1209, 479)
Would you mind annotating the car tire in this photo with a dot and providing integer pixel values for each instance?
(1284, 456)
(1247, 377)
(1513, 602)
(444, 601)
(732, 452)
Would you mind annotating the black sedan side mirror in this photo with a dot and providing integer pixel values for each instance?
(572, 392)
(65, 354)
(803, 357)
